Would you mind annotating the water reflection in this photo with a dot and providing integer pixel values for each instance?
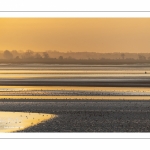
(16, 73)
(62, 71)
(72, 75)
(15, 121)
(75, 97)
(39, 88)
(73, 92)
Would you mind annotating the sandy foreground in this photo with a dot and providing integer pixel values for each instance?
(85, 115)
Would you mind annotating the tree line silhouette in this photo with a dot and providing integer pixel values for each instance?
(30, 56)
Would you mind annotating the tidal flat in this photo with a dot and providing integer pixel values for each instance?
(96, 98)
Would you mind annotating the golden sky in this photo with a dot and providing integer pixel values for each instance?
(76, 34)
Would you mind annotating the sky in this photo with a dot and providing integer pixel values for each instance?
(103, 35)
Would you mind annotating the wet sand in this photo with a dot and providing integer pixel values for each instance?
(85, 116)
(79, 115)
(101, 83)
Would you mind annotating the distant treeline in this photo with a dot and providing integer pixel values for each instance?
(55, 57)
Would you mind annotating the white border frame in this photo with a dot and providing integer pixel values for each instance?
(75, 14)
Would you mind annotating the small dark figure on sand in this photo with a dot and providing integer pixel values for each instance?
(145, 72)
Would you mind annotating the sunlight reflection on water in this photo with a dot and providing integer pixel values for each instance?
(83, 73)
(15, 121)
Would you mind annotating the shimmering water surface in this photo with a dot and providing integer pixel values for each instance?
(71, 71)
(81, 73)
(17, 80)
(15, 121)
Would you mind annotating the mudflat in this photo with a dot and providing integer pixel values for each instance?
(85, 116)
(88, 82)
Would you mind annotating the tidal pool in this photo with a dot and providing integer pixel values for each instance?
(15, 121)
